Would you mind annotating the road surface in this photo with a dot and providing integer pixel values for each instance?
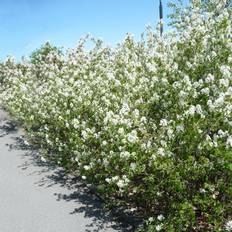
(36, 197)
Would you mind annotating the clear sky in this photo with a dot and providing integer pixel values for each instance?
(26, 24)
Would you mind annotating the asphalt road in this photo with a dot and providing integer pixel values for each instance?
(36, 197)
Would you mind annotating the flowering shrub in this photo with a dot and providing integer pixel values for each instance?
(149, 122)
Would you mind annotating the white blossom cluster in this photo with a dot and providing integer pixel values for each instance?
(228, 226)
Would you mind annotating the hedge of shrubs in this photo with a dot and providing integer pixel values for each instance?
(149, 123)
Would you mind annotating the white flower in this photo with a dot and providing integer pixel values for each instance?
(125, 108)
(125, 178)
(24, 88)
(115, 178)
(136, 113)
(170, 132)
(210, 104)
(86, 167)
(121, 184)
(75, 123)
(148, 145)
(121, 131)
(125, 154)
(229, 141)
(191, 110)
(161, 151)
(209, 78)
(159, 227)
(133, 209)
(84, 134)
(228, 225)
(132, 137)
(225, 70)
(43, 159)
(224, 82)
(180, 128)
(163, 122)
(108, 180)
(84, 177)
(104, 143)
(221, 133)
(201, 190)
(26, 143)
(143, 119)
(160, 217)
(198, 109)
(159, 194)
(71, 80)
(133, 166)
(205, 91)
(219, 101)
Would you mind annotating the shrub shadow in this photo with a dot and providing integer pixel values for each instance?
(7, 127)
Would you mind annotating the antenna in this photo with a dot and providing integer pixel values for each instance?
(161, 17)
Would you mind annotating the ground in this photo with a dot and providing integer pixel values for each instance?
(36, 196)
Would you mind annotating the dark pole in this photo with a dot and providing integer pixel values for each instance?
(161, 17)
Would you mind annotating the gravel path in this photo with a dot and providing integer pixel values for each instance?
(36, 197)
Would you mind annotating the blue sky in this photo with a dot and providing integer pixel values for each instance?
(26, 24)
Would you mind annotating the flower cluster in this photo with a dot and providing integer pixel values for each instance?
(148, 122)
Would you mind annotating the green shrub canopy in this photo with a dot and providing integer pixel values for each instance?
(149, 123)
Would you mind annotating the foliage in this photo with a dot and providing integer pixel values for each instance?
(149, 123)
(228, 3)
(47, 52)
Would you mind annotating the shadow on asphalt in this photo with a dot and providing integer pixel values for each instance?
(91, 204)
